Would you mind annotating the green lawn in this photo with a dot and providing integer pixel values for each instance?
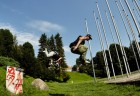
(78, 85)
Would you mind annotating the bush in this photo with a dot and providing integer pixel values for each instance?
(65, 77)
(6, 61)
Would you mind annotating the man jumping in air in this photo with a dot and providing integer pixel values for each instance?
(54, 55)
(78, 47)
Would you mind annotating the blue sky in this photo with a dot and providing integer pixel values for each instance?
(29, 19)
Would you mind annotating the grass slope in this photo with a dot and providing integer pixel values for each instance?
(79, 77)
(78, 85)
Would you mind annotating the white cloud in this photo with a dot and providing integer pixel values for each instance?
(8, 26)
(66, 48)
(45, 26)
(22, 37)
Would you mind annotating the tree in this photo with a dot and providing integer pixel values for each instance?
(132, 58)
(28, 58)
(115, 60)
(74, 68)
(51, 44)
(59, 48)
(6, 43)
(42, 60)
(17, 51)
(46, 71)
(100, 64)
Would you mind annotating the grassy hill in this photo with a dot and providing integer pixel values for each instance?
(79, 77)
(78, 85)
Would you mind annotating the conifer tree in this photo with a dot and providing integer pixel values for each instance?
(59, 47)
(17, 50)
(51, 44)
(42, 61)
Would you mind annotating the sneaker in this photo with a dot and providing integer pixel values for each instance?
(19, 69)
(87, 61)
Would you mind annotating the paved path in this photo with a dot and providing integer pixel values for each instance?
(132, 78)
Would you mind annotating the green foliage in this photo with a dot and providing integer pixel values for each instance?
(74, 68)
(6, 43)
(3, 90)
(28, 58)
(132, 60)
(6, 61)
(60, 50)
(42, 61)
(51, 44)
(64, 76)
(17, 53)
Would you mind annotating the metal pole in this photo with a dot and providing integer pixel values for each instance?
(90, 52)
(116, 30)
(131, 30)
(136, 8)
(137, 5)
(125, 55)
(132, 16)
(102, 47)
(128, 36)
(114, 43)
(106, 40)
(136, 16)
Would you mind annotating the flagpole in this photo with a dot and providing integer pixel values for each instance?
(102, 47)
(106, 40)
(90, 51)
(118, 37)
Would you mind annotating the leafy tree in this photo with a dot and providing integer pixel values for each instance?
(132, 59)
(6, 43)
(74, 68)
(116, 63)
(28, 58)
(100, 64)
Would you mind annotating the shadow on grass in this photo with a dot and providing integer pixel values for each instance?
(56, 94)
(137, 83)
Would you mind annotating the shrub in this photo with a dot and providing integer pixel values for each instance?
(6, 61)
(65, 77)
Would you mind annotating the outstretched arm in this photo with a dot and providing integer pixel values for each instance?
(59, 59)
